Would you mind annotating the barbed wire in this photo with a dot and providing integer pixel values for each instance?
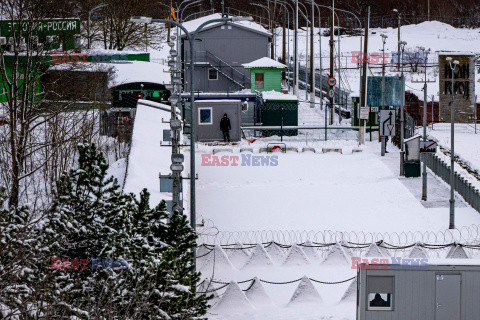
(224, 284)
(467, 235)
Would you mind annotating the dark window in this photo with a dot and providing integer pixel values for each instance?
(259, 83)
(380, 292)
(205, 116)
(212, 74)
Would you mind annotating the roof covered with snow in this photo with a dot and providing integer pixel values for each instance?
(124, 72)
(192, 25)
(264, 62)
(456, 53)
(140, 71)
(274, 95)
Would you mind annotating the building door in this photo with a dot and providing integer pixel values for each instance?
(447, 296)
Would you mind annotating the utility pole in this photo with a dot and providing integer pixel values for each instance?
(312, 69)
(332, 29)
(363, 93)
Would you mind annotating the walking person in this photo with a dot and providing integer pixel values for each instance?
(225, 127)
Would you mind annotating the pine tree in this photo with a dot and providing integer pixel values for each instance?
(90, 219)
(20, 261)
(181, 238)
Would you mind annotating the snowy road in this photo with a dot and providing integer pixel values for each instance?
(309, 191)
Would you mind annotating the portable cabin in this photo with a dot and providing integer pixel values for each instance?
(265, 74)
(208, 116)
(279, 110)
(414, 289)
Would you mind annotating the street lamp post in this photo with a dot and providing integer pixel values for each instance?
(191, 39)
(452, 147)
(270, 25)
(398, 43)
(425, 97)
(89, 41)
(402, 113)
(384, 40)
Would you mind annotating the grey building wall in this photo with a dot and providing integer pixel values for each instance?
(226, 48)
(415, 295)
(212, 132)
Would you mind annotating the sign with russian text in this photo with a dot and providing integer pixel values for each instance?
(40, 27)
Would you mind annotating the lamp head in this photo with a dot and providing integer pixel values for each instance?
(456, 62)
(449, 59)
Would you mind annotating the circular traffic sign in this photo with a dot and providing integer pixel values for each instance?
(332, 82)
(331, 93)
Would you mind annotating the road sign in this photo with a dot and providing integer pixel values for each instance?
(332, 82)
(374, 109)
(364, 112)
(331, 93)
(387, 123)
(428, 146)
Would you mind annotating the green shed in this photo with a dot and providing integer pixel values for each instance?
(265, 74)
(278, 109)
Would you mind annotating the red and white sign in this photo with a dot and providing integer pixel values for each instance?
(428, 146)
(331, 93)
(332, 81)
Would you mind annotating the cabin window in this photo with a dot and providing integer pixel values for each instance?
(380, 292)
(205, 116)
(259, 83)
(212, 74)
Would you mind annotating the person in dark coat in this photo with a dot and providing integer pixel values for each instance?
(225, 127)
(378, 301)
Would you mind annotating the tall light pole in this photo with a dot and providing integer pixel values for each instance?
(295, 79)
(332, 29)
(320, 54)
(191, 36)
(452, 146)
(312, 63)
(89, 40)
(305, 16)
(287, 60)
(398, 36)
(384, 40)
(270, 24)
(425, 97)
(402, 113)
